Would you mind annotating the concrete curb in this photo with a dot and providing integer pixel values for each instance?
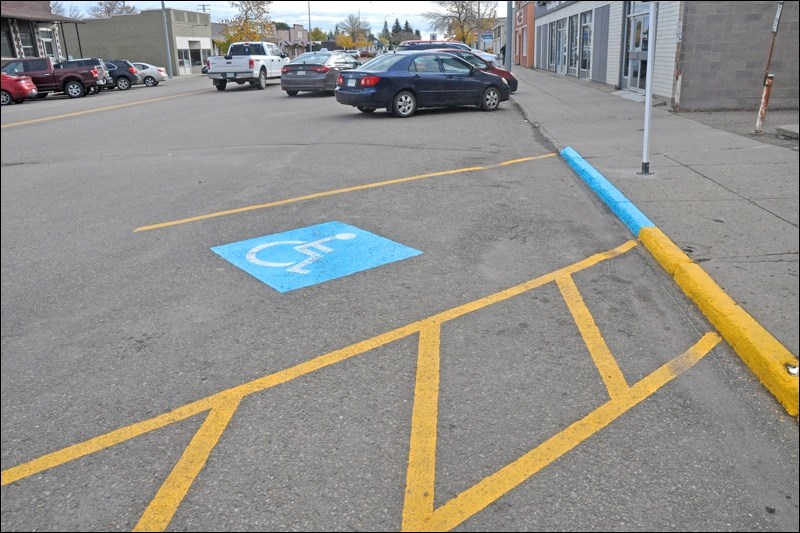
(769, 360)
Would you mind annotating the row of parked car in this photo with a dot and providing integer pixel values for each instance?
(418, 74)
(37, 77)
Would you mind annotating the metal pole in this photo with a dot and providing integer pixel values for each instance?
(762, 110)
(648, 91)
(309, 27)
(509, 35)
(166, 41)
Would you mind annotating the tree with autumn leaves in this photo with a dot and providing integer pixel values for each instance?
(251, 23)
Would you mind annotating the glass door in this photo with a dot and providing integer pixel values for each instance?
(635, 65)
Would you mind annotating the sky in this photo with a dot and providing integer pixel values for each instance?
(324, 14)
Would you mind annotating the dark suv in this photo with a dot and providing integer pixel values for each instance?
(104, 78)
(123, 73)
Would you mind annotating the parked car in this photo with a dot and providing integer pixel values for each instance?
(104, 78)
(315, 71)
(73, 81)
(124, 73)
(431, 45)
(406, 81)
(355, 53)
(151, 75)
(479, 63)
(16, 89)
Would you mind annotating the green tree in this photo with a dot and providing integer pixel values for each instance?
(317, 35)
(104, 10)
(462, 20)
(385, 35)
(407, 28)
(251, 23)
(281, 26)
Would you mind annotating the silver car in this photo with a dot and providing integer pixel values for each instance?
(151, 75)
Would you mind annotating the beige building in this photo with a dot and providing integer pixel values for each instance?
(140, 37)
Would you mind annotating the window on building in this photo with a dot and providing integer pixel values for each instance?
(8, 50)
(573, 45)
(553, 49)
(46, 35)
(27, 36)
(586, 41)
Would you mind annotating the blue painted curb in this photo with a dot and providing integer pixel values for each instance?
(630, 215)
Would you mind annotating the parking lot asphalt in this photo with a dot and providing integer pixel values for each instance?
(723, 204)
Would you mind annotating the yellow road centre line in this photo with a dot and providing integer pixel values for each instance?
(96, 110)
(418, 511)
(337, 191)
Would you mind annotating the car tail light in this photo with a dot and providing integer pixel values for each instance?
(132, 70)
(284, 70)
(320, 68)
(94, 72)
(369, 81)
(162, 69)
(252, 63)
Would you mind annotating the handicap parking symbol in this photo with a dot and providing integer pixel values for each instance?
(308, 256)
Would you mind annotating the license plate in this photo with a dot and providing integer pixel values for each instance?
(301, 72)
(351, 83)
(231, 76)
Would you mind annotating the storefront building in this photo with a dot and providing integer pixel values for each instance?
(708, 55)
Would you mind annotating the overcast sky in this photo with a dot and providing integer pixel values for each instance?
(324, 14)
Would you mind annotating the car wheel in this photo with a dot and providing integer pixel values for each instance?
(150, 81)
(365, 109)
(74, 89)
(262, 80)
(5, 98)
(404, 104)
(292, 93)
(490, 99)
(123, 84)
(221, 85)
(93, 90)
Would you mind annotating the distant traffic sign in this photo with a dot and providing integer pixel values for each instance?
(307, 256)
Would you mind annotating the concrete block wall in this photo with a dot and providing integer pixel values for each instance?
(724, 54)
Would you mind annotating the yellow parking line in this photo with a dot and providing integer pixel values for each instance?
(334, 192)
(96, 110)
(419, 513)
(598, 349)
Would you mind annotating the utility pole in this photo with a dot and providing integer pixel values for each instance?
(762, 110)
(166, 41)
(203, 7)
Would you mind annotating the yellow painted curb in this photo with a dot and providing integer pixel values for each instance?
(762, 352)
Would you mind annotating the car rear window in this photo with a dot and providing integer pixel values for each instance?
(313, 59)
(382, 62)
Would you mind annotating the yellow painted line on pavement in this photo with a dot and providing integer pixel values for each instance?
(159, 513)
(598, 349)
(491, 488)
(765, 355)
(335, 192)
(418, 512)
(420, 474)
(95, 110)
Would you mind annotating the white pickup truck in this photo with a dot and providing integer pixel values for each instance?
(247, 62)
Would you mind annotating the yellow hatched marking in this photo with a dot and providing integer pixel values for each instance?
(160, 511)
(492, 487)
(418, 512)
(420, 476)
(603, 359)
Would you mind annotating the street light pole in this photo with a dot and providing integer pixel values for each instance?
(309, 28)
(166, 41)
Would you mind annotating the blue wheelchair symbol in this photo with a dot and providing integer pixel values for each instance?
(307, 256)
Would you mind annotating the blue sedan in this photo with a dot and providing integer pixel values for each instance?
(403, 82)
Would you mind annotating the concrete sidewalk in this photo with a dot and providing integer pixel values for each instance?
(726, 199)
